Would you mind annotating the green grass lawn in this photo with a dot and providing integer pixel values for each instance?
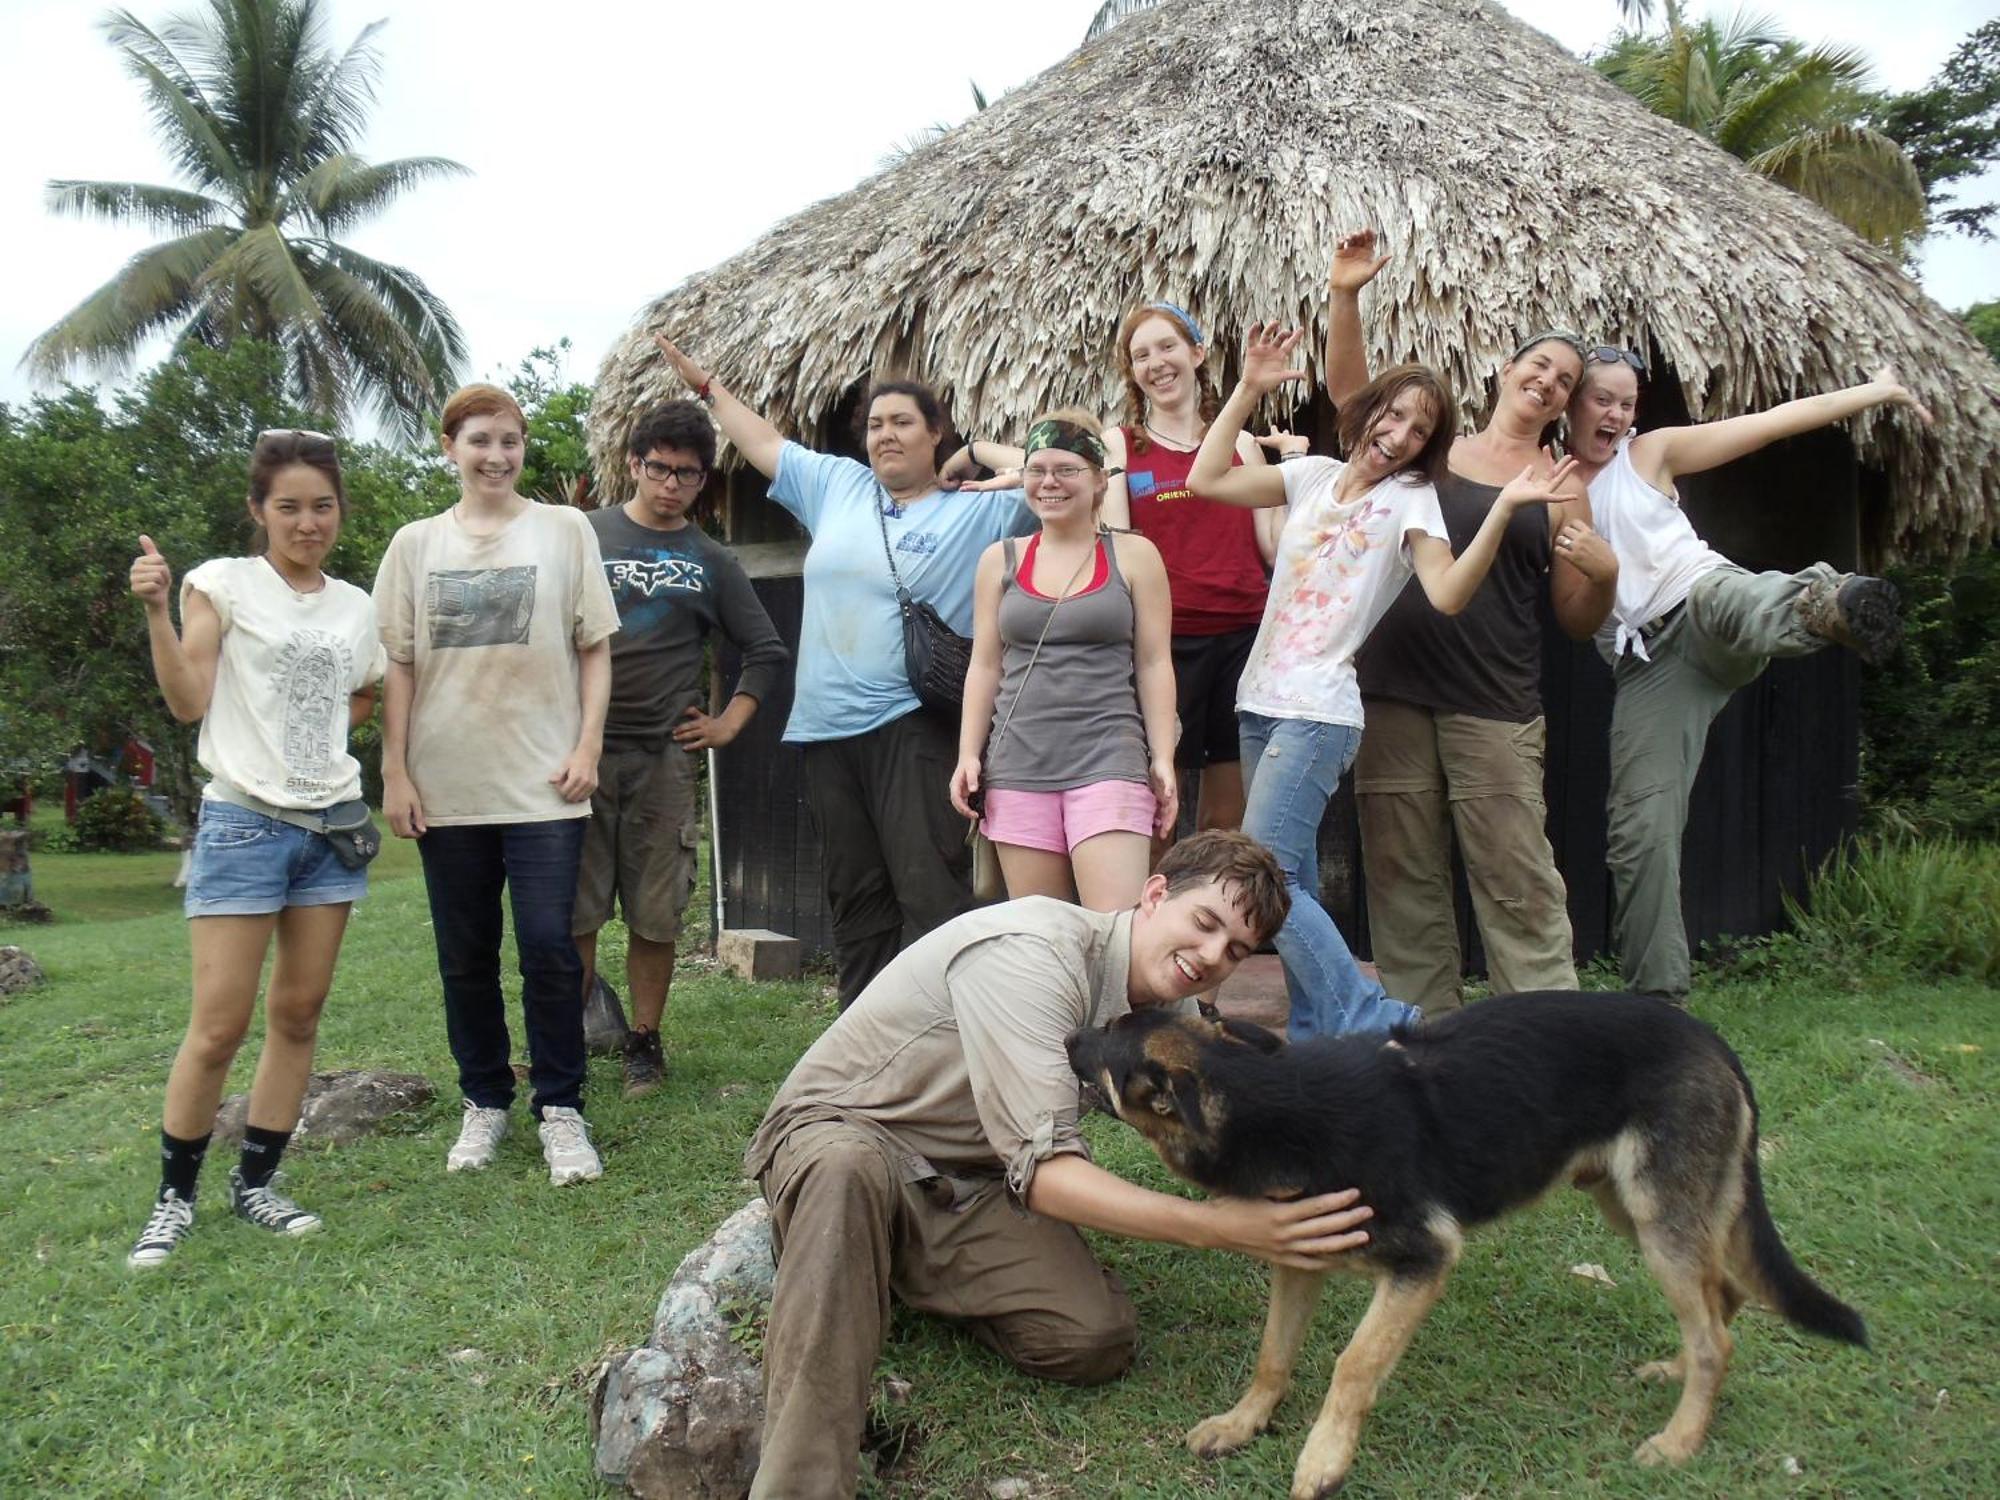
(439, 1338)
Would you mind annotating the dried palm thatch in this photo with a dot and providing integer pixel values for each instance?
(1211, 151)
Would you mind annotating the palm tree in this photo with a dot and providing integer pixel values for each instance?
(1790, 112)
(261, 118)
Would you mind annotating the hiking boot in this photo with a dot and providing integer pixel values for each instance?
(566, 1147)
(267, 1208)
(1859, 613)
(645, 1063)
(479, 1134)
(173, 1217)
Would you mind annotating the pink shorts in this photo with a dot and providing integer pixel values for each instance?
(1059, 821)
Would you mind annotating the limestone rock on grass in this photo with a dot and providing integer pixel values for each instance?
(682, 1417)
(339, 1107)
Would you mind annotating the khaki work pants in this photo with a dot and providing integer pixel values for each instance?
(849, 1230)
(1422, 776)
(1731, 626)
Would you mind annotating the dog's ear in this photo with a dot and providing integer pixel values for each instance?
(1252, 1035)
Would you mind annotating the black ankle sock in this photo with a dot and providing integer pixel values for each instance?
(261, 1150)
(180, 1164)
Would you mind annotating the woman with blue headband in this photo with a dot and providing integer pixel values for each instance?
(1068, 730)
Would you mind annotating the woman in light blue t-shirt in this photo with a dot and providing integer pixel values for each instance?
(877, 766)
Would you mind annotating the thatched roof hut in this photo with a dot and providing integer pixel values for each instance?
(1211, 151)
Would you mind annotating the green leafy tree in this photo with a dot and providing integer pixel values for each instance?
(1796, 114)
(1983, 318)
(262, 119)
(80, 482)
(1931, 723)
(557, 461)
(1950, 128)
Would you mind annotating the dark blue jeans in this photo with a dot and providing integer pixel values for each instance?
(464, 870)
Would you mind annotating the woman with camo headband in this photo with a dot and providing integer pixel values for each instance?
(1068, 730)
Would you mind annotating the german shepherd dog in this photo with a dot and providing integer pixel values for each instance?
(1445, 1125)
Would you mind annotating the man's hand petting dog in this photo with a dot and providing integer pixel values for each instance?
(1302, 1233)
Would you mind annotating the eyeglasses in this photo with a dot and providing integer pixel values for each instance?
(1561, 335)
(270, 433)
(1064, 472)
(659, 473)
(1610, 354)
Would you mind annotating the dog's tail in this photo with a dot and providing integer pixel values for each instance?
(1795, 1295)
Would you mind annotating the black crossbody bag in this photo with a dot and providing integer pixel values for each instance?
(935, 657)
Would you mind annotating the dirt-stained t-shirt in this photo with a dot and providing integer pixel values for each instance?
(955, 1051)
(276, 725)
(492, 625)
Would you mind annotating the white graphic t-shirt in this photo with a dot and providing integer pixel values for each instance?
(276, 725)
(1340, 566)
(492, 625)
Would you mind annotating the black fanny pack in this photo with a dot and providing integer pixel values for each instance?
(348, 827)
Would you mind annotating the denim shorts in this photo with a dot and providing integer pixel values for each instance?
(248, 865)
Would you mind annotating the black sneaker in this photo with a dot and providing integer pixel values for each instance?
(645, 1063)
(267, 1208)
(173, 1217)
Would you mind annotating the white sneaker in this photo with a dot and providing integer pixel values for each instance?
(566, 1146)
(479, 1136)
(171, 1219)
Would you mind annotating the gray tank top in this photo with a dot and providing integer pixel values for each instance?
(1078, 718)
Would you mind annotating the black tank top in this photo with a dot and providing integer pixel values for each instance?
(1487, 660)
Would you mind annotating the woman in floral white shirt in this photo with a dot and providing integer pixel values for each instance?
(1356, 532)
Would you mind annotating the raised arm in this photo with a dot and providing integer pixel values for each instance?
(1354, 266)
(756, 439)
(1450, 582)
(184, 665)
(1663, 454)
(1267, 353)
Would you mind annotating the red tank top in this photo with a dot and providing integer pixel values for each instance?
(1213, 567)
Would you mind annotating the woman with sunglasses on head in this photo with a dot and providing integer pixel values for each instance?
(1068, 729)
(1690, 627)
(1455, 728)
(877, 765)
(278, 661)
(498, 624)
(1357, 531)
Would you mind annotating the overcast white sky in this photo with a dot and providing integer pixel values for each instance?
(621, 145)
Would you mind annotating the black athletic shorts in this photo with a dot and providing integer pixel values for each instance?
(1205, 671)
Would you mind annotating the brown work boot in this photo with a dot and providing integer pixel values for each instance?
(1859, 612)
(645, 1063)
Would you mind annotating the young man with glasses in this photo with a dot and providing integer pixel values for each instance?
(673, 584)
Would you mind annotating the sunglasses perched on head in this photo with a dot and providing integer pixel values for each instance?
(1611, 354)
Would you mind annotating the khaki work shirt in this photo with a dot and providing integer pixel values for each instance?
(955, 1051)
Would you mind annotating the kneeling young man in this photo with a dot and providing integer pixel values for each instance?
(927, 1144)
